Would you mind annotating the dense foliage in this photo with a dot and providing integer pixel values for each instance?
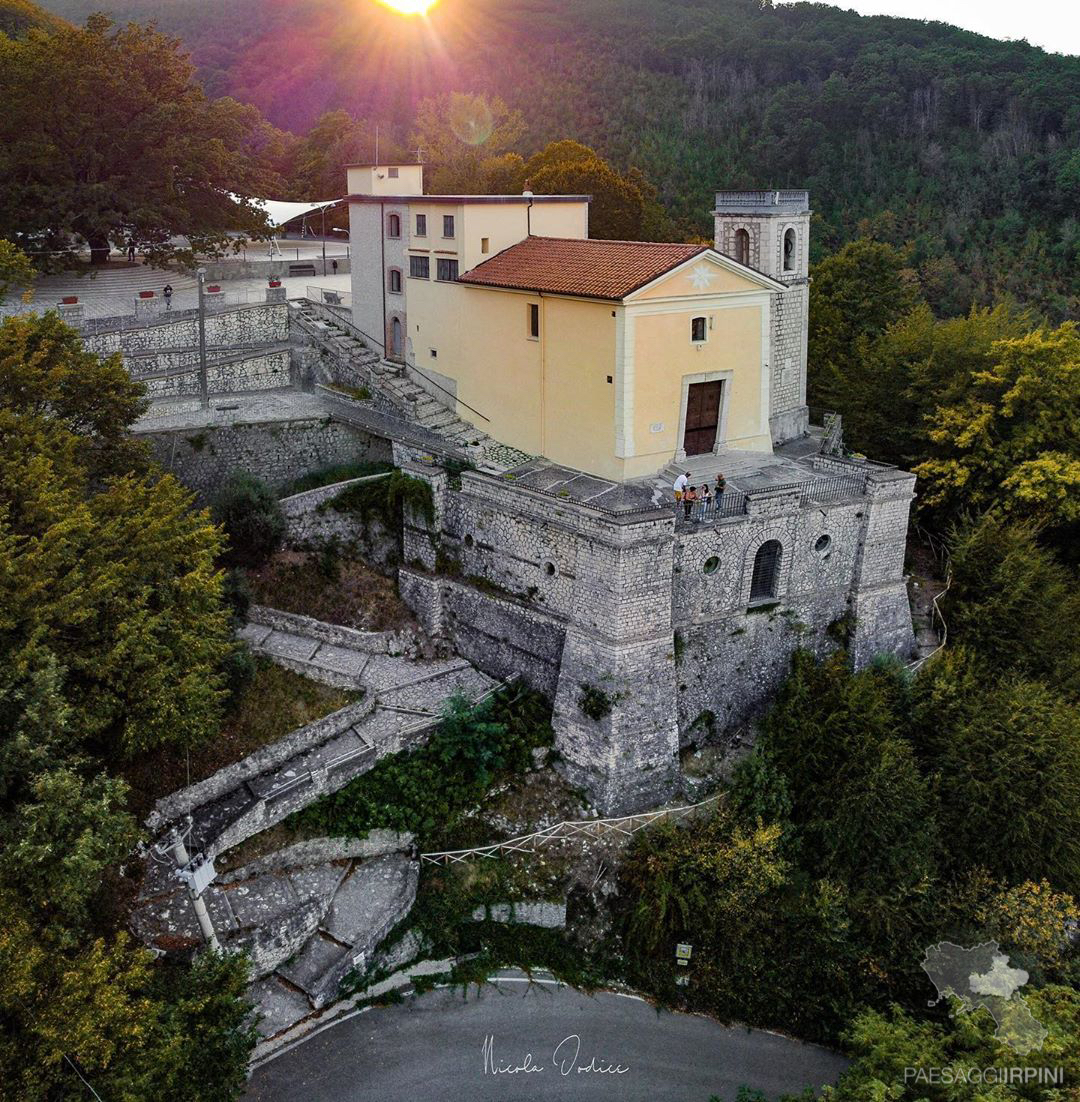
(113, 639)
(249, 512)
(105, 137)
(918, 134)
(427, 790)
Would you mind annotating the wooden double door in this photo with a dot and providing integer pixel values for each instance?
(702, 417)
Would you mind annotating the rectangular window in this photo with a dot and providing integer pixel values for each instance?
(697, 329)
(392, 173)
(395, 281)
(419, 267)
(446, 270)
(448, 225)
(485, 244)
(534, 321)
(421, 225)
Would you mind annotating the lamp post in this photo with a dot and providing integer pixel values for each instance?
(323, 212)
(204, 388)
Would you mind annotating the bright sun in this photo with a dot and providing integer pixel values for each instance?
(410, 7)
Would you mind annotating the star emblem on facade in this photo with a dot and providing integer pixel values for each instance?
(701, 276)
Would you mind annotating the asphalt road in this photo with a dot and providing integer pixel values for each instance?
(448, 1047)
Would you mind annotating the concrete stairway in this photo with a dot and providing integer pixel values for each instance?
(355, 361)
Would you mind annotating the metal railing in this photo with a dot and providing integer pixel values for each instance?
(567, 831)
(329, 296)
(732, 503)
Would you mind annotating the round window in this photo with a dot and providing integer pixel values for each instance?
(549, 569)
(711, 565)
(469, 541)
(823, 544)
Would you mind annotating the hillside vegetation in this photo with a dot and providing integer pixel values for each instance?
(962, 148)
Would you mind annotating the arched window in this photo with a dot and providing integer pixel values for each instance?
(395, 280)
(395, 338)
(766, 576)
(789, 250)
(742, 247)
(393, 225)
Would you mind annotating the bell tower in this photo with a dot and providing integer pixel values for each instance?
(770, 232)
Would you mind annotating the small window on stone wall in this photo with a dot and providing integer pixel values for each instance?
(469, 541)
(711, 565)
(550, 569)
(822, 545)
(742, 247)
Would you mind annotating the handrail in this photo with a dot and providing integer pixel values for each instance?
(568, 830)
(413, 367)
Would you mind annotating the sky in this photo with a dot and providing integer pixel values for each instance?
(1052, 24)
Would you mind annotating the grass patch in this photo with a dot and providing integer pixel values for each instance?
(340, 472)
(360, 393)
(386, 499)
(275, 702)
(351, 594)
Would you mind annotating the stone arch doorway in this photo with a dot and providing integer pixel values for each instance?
(397, 341)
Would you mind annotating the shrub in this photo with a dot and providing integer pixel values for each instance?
(251, 516)
(594, 702)
(426, 791)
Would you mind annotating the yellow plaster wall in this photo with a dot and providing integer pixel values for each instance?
(579, 402)
(663, 353)
(560, 220)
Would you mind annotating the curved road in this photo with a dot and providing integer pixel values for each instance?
(448, 1047)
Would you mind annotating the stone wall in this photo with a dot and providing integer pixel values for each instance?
(646, 637)
(267, 369)
(239, 327)
(788, 417)
(312, 521)
(277, 452)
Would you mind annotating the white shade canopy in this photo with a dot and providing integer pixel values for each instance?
(280, 211)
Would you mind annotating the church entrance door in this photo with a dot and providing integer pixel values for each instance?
(702, 417)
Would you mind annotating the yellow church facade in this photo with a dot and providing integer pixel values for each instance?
(613, 358)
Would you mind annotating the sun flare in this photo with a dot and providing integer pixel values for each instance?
(409, 7)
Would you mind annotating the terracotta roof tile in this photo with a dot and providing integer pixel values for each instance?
(568, 266)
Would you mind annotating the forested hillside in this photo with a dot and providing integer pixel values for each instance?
(965, 147)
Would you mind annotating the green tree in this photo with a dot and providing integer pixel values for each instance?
(1010, 439)
(15, 268)
(1013, 603)
(855, 295)
(461, 133)
(891, 1049)
(252, 519)
(1005, 755)
(111, 573)
(106, 136)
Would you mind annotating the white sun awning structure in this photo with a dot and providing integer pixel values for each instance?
(280, 211)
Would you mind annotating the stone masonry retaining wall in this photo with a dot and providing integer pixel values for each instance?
(276, 452)
(243, 326)
(312, 521)
(265, 369)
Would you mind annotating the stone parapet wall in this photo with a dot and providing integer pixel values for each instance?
(185, 800)
(313, 851)
(370, 642)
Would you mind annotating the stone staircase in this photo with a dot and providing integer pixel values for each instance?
(347, 359)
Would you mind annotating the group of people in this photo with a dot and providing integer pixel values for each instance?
(696, 501)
